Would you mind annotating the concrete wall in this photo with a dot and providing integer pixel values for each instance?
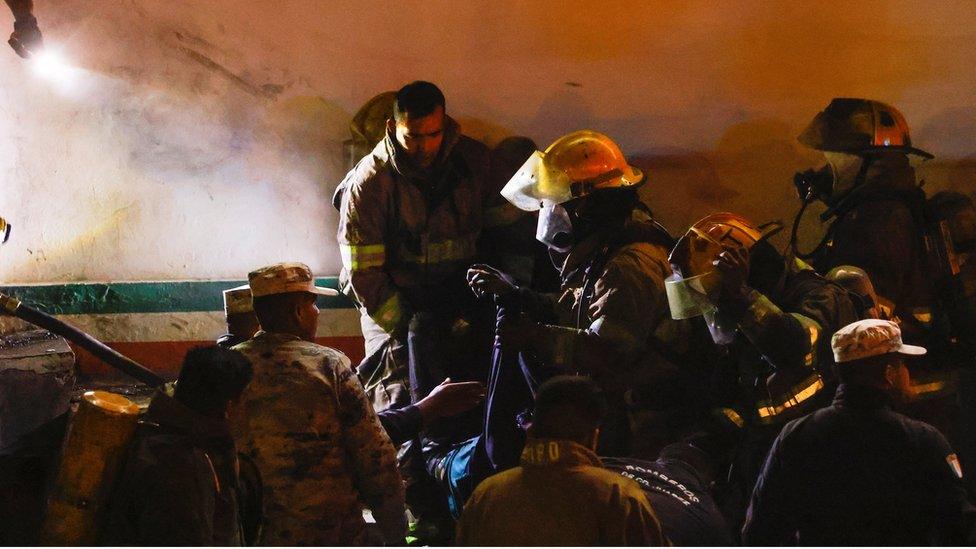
(196, 140)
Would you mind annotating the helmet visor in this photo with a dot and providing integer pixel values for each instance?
(534, 186)
(688, 297)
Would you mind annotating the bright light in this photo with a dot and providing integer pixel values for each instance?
(50, 64)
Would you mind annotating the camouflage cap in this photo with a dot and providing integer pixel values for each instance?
(238, 300)
(283, 278)
(870, 337)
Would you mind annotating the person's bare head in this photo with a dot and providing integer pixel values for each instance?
(288, 313)
(418, 121)
(569, 408)
(212, 379)
(242, 324)
(886, 372)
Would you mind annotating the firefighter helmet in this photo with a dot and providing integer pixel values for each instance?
(857, 126)
(368, 126)
(575, 165)
(692, 289)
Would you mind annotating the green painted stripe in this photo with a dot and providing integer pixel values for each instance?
(142, 297)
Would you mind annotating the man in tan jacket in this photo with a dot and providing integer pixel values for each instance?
(561, 494)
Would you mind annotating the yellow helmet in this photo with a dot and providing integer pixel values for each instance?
(859, 125)
(368, 126)
(575, 165)
(4, 230)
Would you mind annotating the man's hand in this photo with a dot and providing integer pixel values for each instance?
(449, 399)
(485, 279)
(26, 38)
(733, 266)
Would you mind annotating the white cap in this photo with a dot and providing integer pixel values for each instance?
(870, 337)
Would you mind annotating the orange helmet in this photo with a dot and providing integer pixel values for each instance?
(859, 125)
(695, 251)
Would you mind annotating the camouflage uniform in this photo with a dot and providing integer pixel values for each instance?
(308, 426)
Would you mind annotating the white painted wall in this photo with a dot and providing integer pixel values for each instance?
(200, 139)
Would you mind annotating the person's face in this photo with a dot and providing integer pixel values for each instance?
(899, 379)
(308, 316)
(421, 137)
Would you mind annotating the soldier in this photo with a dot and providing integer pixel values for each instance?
(242, 323)
(769, 316)
(611, 319)
(308, 426)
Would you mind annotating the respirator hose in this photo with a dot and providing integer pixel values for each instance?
(13, 306)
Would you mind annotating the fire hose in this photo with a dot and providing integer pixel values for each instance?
(13, 306)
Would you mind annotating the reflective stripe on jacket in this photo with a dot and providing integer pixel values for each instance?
(402, 231)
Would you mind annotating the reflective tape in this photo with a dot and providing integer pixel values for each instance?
(443, 251)
(802, 392)
(389, 314)
(358, 258)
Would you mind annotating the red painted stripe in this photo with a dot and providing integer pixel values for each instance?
(165, 357)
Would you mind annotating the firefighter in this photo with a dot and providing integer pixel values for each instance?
(610, 320)
(410, 215)
(881, 222)
(771, 317)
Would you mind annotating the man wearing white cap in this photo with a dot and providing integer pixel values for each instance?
(856, 472)
(309, 428)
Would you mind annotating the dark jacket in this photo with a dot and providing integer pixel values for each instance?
(178, 485)
(857, 473)
(678, 493)
(401, 424)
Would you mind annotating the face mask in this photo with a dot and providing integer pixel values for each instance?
(845, 168)
(554, 228)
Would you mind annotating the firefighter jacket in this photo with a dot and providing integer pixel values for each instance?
(179, 483)
(406, 236)
(308, 427)
(560, 495)
(786, 333)
(611, 321)
(857, 473)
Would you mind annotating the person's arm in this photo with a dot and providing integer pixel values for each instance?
(26, 38)
(363, 217)
(769, 518)
(944, 471)
(445, 400)
(372, 456)
(627, 305)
